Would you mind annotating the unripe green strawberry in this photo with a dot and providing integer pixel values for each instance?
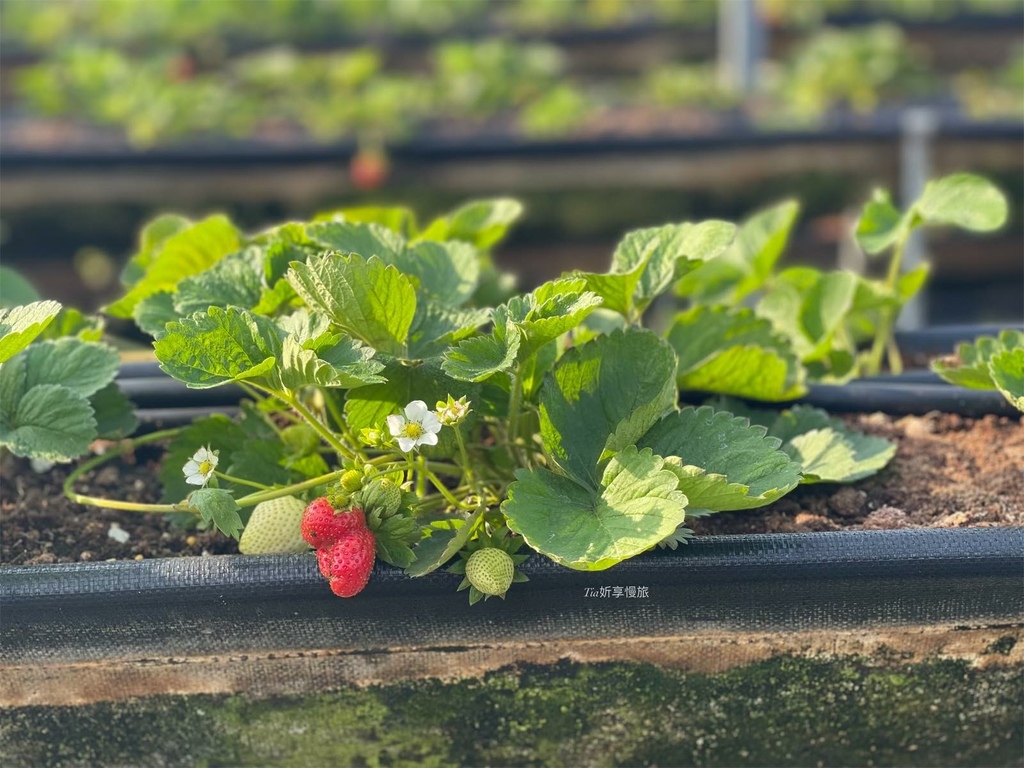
(352, 480)
(490, 570)
(275, 528)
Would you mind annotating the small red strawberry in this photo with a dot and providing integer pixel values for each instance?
(322, 525)
(349, 562)
(369, 169)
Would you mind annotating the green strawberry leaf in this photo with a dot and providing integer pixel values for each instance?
(734, 352)
(724, 462)
(602, 396)
(827, 450)
(187, 252)
(219, 347)
(970, 367)
(20, 325)
(447, 272)
(481, 357)
(48, 421)
(154, 312)
(365, 240)
(437, 326)
(447, 537)
(834, 456)
(748, 262)
(963, 200)
(80, 366)
(154, 234)
(235, 280)
(114, 413)
(881, 224)
(345, 364)
(15, 290)
(483, 223)
(634, 506)
(216, 506)
(551, 310)
(1007, 369)
(367, 299)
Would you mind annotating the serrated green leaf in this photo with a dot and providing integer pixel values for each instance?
(634, 506)
(396, 218)
(48, 421)
(748, 262)
(1008, 375)
(831, 456)
(617, 289)
(734, 352)
(185, 253)
(481, 357)
(153, 313)
(366, 240)
(602, 396)
(551, 310)
(71, 322)
(367, 299)
(970, 367)
(444, 542)
(80, 366)
(114, 413)
(215, 505)
(21, 325)
(480, 222)
(345, 364)
(725, 463)
(647, 261)
(963, 200)
(447, 272)
(881, 224)
(235, 280)
(436, 327)
(219, 347)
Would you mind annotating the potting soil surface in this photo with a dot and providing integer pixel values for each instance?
(948, 472)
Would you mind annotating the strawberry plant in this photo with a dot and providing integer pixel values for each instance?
(421, 413)
(988, 363)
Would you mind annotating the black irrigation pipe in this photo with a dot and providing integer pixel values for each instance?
(733, 133)
(234, 604)
(943, 339)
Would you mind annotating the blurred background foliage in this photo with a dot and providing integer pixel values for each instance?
(378, 85)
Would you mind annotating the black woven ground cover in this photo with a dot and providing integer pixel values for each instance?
(233, 604)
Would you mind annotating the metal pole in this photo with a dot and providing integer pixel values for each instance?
(740, 44)
(918, 128)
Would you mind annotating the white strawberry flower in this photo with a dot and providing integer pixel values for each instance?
(419, 426)
(199, 469)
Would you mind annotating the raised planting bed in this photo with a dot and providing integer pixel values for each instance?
(621, 636)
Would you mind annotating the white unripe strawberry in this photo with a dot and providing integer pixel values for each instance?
(275, 528)
(490, 570)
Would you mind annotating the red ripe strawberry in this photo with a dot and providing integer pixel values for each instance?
(322, 526)
(369, 169)
(349, 562)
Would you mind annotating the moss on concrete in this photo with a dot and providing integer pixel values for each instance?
(786, 711)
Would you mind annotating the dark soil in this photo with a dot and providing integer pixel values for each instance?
(948, 472)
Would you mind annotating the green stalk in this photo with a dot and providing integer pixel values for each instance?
(319, 428)
(240, 481)
(129, 506)
(884, 338)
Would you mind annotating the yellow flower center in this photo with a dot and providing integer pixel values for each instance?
(412, 429)
(205, 467)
